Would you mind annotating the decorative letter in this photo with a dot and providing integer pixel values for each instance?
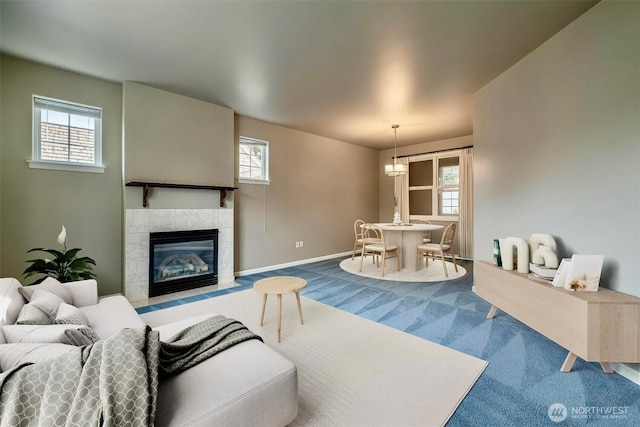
(523, 254)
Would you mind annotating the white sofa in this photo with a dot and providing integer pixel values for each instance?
(246, 385)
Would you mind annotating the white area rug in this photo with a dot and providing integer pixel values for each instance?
(351, 371)
(434, 273)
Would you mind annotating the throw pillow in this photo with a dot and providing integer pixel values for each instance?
(47, 302)
(50, 285)
(81, 336)
(32, 315)
(37, 333)
(70, 315)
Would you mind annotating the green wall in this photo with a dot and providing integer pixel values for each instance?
(35, 203)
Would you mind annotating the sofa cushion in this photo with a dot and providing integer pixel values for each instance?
(47, 302)
(37, 333)
(11, 302)
(32, 315)
(83, 292)
(247, 384)
(70, 315)
(50, 285)
(111, 314)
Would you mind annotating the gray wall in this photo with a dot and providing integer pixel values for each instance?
(35, 203)
(319, 187)
(557, 145)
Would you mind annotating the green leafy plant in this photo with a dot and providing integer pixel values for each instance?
(66, 265)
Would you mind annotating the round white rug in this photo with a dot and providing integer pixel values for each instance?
(435, 272)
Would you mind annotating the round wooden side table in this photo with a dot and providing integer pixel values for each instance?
(279, 285)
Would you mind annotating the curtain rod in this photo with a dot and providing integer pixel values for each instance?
(437, 151)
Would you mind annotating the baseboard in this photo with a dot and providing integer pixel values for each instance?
(290, 264)
(630, 371)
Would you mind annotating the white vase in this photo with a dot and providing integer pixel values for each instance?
(396, 218)
(545, 256)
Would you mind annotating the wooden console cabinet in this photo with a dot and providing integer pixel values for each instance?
(602, 326)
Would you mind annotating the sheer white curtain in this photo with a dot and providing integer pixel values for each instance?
(402, 191)
(465, 234)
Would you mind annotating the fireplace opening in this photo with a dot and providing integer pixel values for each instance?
(181, 260)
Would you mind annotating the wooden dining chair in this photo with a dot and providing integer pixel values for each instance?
(445, 246)
(426, 236)
(375, 245)
(358, 230)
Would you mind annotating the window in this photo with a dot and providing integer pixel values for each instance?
(448, 181)
(253, 161)
(66, 136)
(434, 186)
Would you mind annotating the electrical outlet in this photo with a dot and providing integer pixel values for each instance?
(297, 244)
(301, 243)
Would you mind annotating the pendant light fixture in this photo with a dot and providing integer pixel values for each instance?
(396, 168)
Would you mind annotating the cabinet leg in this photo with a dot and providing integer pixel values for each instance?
(568, 362)
(492, 312)
(606, 366)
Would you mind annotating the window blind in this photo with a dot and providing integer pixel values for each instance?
(63, 107)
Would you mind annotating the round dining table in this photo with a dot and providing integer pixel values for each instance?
(407, 237)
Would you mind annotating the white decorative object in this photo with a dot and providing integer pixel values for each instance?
(562, 273)
(538, 239)
(584, 273)
(543, 272)
(507, 251)
(545, 256)
(396, 218)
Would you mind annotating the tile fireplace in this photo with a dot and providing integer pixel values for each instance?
(181, 260)
(141, 223)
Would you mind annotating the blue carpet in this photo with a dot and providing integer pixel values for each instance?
(523, 378)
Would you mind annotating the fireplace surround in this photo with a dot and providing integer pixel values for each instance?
(139, 223)
(182, 260)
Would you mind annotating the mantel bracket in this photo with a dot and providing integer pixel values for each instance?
(145, 194)
(223, 195)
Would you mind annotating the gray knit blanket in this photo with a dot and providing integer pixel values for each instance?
(201, 341)
(113, 382)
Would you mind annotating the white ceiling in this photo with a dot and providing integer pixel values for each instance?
(346, 70)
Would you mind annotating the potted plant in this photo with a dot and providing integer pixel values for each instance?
(66, 265)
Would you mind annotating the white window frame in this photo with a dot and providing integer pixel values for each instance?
(441, 188)
(265, 161)
(37, 162)
(436, 187)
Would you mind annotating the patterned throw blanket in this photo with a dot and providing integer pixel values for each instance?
(113, 382)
